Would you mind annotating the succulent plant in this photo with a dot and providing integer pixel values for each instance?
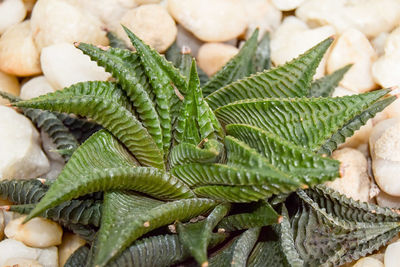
(185, 168)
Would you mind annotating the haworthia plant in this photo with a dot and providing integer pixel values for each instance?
(180, 172)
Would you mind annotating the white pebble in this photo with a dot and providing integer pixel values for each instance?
(59, 21)
(352, 47)
(210, 20)
(21, 155)
(384, 139)
(213, 56)
(146, 2)
(70, 243)
(18, 52)
(371, 17)
(378, 43)
(35, 87)
(37, 233)
(21, 262)
(186, 38)
(392, 44)
(56, 161)
(385, 200)
(293, 37)
(361, 136)
(152, 24)
(286, 5)
(355, 182)
(340, 91)
(8, 84)
(11, 13)
(261, 14)
(64, 65)
(10, 248)
(392, 255)
(368, 262)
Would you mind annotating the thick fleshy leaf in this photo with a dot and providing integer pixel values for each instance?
(195, 237)
(307, 122)
(126, 68)
(120, 227)
(326, 85)
(74, 211)
(106, 104)
(237, 252)
(23, 191)
(332, 229)
(86, 232)
(189, 153)
(305, 166)
(262, 215)
(78, 258)
(262, 58)
(240, 66)
(115, 41)
(290, 80)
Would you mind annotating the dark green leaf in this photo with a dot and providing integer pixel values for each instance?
(262, 58)
(78, 258)
(23, 191)
(326, 85)
(115, 41)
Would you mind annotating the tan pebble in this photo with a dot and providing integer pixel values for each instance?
(36, 87)
(29, 4)
(355, 182)
(11, 13)
(388, 144)
(378, 43)
(9, 84)
(352, 47)
(146, 2)
(392, 255)
(152, 24)
(340, 91)
(210, 20)
(286, 5)
(213, 56)
(70, 243)
(392, 43)
(385, 200)
(50, 17)
(385, 71)
(18, 53)
(361, 136)
(368, 262)
(21, 262)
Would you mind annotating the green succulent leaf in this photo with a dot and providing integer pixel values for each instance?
(290, 80)
(86, 232)
(115, 41)
(240, 66)
(262, 57)
(123, 221)
(326, 85)
(78, 258)
(106, 104)
(307, 122)
(330, 229)
(23, 191)
(262, 215)
(195, 237)
(237, 252)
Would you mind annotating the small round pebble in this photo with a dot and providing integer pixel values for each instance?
(385, 200)
(213, 56)
(21, 262)
(36, 87)
(70, 243)
(210, 20)
(286, 5)
(368, 262)
(152, 24)
(392, 255)
(37, 233)
(11, 13)
(18, 52)
(9, 84)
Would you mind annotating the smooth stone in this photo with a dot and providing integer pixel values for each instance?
(37, 233)
(21, 156)
(152, 24)
(185, 38)
(368, 262)
(18, 53)
(70, 243)
(64, 65)
(213, 56)
(385, 200)
(21, 262)
(11, 13)
(49, 20)
(10, 248)
(378, 43)
(353, 47)
(35, 87)
(9, 84)
(355, 181)
(287, 5)
(210, 20)
(392, 255)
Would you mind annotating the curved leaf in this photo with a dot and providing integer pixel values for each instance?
(86, 232)
(105, 103)
(115, 41)
(326, 85)
(240, 66)
(116, 235)
(78, 258)
(23, 191)
(125, 67)
(307, 122)
(290, 80)
(262, 58)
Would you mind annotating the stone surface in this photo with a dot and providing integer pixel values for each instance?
(210, 20)
(368, 16)
(21, 155)
(286, 5)
(385, 159)
(186, 38)
(355, 182)
(378, 43)
(152, 24)
(293, 37)
(50, 17)
(21, 262)
(35, 87)
(385, 200)
(64, 65)
(9, 84)
(212, 56)
(392, 255)
(352, 47)
(368, 262)
(10, 248)
(11, 13)
(70, 243)
(18, 53)
(37, 233)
